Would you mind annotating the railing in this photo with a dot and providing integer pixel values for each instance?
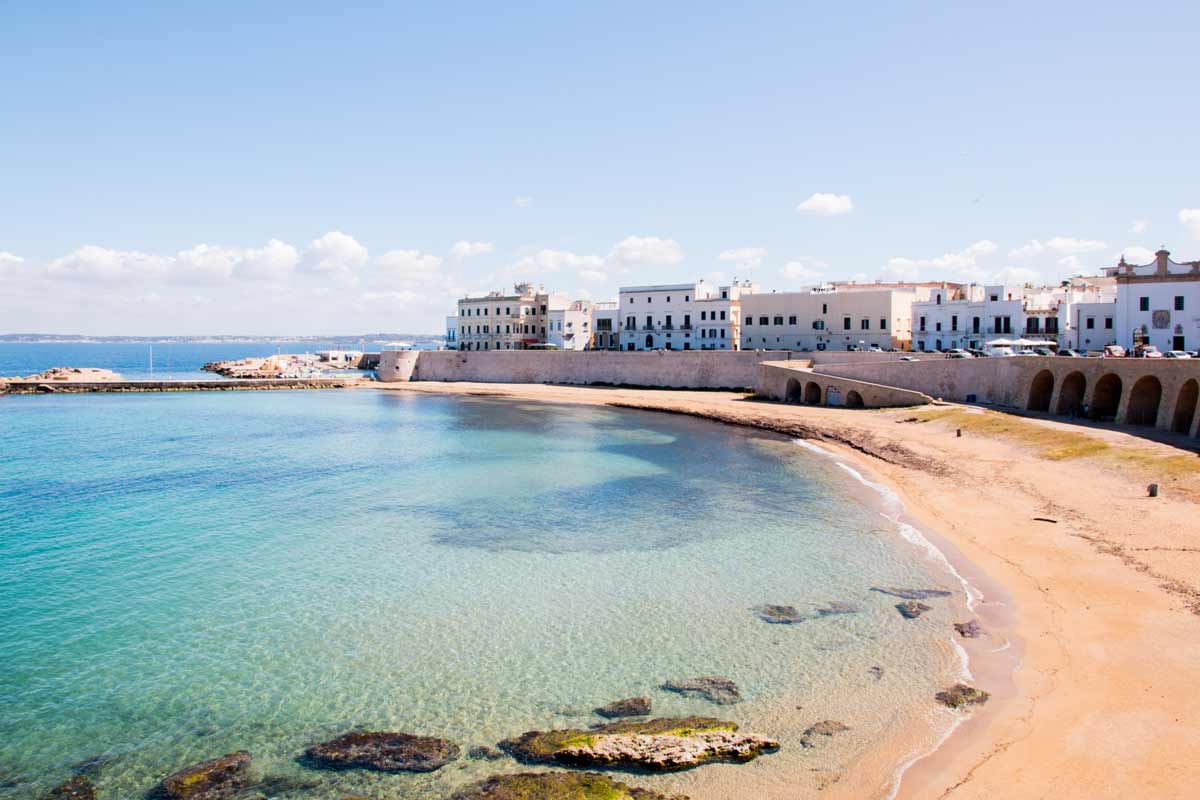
(668, 327)
(685, 327)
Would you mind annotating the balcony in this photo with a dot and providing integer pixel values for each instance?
(668, 327)
(685, 327)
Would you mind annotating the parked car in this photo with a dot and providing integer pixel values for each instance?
(909, 358)
(1177, 354)
(958, 353)
(1071, 353)
(1113, 351)
(1043, 351)
(1025, 351)
(1146, 351)
(875, 349)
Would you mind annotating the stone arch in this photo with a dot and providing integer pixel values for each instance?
(1040, 391)
(854, 399)
(793, 393)
(1107, 398)
(1070, 396)
(1185, 406)
(834, 396)
(1143, 401)
(812, 393)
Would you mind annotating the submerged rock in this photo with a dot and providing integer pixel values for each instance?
(658, 745)
(382, 752)
(629, 707)
(969, 630)
(779, 615)
(960, 695)
(92, 766)
(78, 788)
(218, 779)
(876, 672)
(912, 594)
(484, 753)
(825, 728)
(556, 786)
(911, 609)
(712, 688)
(835, 607)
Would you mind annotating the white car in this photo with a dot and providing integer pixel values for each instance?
(1026, 352)
(909, 358)
(958, 353)
(1177, 354)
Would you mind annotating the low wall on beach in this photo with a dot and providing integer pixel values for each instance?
(784, 381)
(676, 369)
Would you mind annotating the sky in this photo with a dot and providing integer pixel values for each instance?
(294, 168)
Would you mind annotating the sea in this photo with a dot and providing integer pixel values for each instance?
(185, 575)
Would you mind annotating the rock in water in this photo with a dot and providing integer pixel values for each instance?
(960, 695)
(835, 607)
(629, 707)
(779, 615)
(712, 688)
(219, 779)
(826, 728)
(78, 788)
(912, 594)
(969, 630)
(382, 752)
(911, 609)
(876, 672)
(657, 745)
(556, 786)
(484, 753)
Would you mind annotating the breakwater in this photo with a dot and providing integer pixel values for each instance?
(231, 385)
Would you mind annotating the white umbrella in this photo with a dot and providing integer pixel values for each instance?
(1000, 343)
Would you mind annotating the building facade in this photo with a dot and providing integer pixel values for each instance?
(452, 332)
(973, 315)
(606, 326)
(830, 317)
(681, 316)
(499, 321)
(1158, 303)
(570, 328)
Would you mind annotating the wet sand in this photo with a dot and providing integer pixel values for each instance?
(1091, 589)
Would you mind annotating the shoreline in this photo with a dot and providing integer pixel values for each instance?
(1092, 577)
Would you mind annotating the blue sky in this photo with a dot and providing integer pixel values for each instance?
(296, 168)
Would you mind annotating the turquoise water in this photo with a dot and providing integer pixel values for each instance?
(186, 575)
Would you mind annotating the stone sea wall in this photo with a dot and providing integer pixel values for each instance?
(233, 385)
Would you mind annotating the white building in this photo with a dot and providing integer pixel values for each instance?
(1093, 325)
(515, 321)
(681, 316)
(970, 316)
(831, 317)
(570, 328)
(1158, 303)
(606, 326)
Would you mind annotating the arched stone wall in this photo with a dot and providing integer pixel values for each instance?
(794, 394)
(812, 393)
(1071, 392)
(1040, 391)
(853, 399)
(1144, 399)
(1106, 400)
(1185, 407)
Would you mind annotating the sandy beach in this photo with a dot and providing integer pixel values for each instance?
(1091, 588)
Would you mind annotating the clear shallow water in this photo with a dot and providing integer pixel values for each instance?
(186, 575)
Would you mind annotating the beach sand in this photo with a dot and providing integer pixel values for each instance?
(1091, 588)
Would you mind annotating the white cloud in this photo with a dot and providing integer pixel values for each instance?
(826, 204)
(334, 252)
(408, 269)
(593, 275)
(1135, 254)
(646, 250)
(93, 264)
(803, 270)
(10, 264)
(522, 202)
(1016, 275)
(745, 257)
(207, 264)
(547, 260)
(1190, 218)
(464, 249)
(961, 265)
(1060, 245)
(273, 262)
(1138, 227)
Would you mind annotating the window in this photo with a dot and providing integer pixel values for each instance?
(722, 333)
(1051, 324)
(778, 320)
(1143, 303)
(865, 324)
(954, 322)
(883, 323)
(703, 316)
(791, 320)
(762, 321)
(824, 308)
(649, 322)
(974, 324)
(497, 311)
(1108, 323)
(687, 321)
(722, 315)
(724, 295)
(1179, 302)
(668, 322)
(648, 299)
(939, 299)
(845, 323)
(508, 311)
(749, 321)
(818, 324)
(937, 326)
(506, 330)
(922, 324)
(687, 298)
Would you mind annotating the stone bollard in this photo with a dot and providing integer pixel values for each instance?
(1152, 489)
(958, 432)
